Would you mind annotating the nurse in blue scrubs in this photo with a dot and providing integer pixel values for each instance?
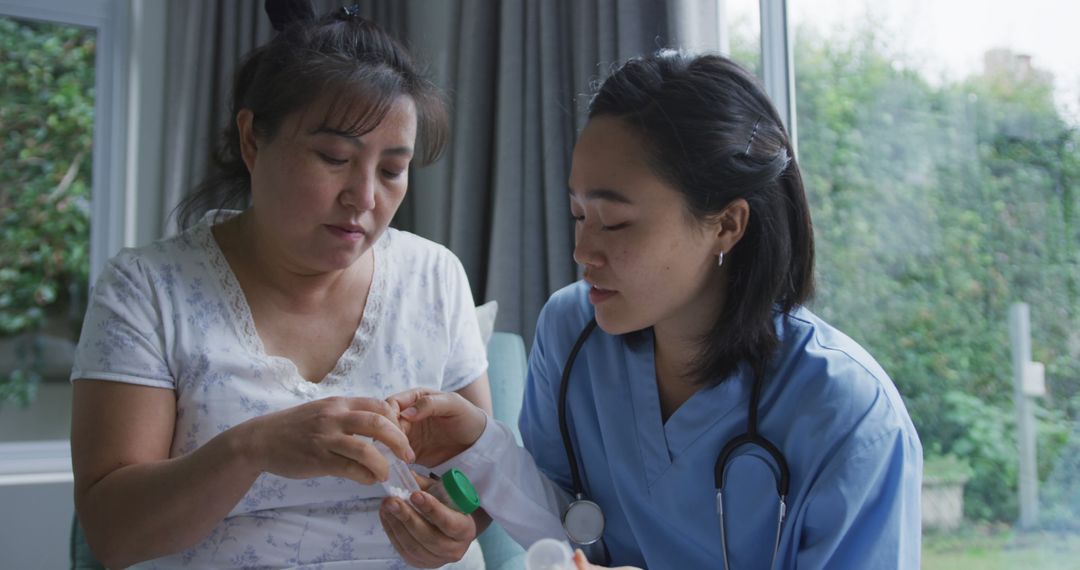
(706, 371)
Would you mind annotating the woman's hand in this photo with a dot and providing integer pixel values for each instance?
(318, 439)
(582, 563)
(441, 536)
(440, 425)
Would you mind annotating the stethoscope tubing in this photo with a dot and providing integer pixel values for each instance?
(750, 437)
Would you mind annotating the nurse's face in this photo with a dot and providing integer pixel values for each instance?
(648, 262)
(322, 196)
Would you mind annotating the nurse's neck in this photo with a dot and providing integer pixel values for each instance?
(674, 354)
(677, 344)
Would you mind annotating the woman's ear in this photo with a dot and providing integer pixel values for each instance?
(730, 225)
(248, 147)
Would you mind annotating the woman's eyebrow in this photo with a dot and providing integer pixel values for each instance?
(355, 140)
(604, 194)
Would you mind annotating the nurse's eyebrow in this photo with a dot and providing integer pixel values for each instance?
(604, 194)
(355, 140)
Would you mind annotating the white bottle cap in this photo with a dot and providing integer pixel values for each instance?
(549, 554)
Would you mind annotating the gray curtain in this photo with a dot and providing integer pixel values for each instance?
(517, 73)
(205, 40)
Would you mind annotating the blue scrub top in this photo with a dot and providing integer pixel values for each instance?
(854, 455)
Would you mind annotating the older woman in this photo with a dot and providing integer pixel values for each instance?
(223, 374)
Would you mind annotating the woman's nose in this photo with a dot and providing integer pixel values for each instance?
(360, 195)
(586, 252)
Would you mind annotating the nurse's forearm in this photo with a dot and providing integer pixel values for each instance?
(512, 489)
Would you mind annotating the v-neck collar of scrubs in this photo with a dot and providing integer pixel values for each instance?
(662, 442)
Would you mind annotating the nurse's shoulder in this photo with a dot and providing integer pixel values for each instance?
(565, 314)
(829, 373)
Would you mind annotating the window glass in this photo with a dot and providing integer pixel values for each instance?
(728, 27)
(939, 146)
(743, 19)
(46, 131)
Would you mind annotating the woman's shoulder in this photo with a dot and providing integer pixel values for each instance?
(566, 310)
(816, 338)
(824, 369)
(165, 252)
(415, 251)
(163, 264)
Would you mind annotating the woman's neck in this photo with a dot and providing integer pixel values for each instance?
(265, 272)
(677, 349)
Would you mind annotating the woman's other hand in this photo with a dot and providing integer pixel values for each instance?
(441, 536)
(439, 425)
(582, 563)
(318, 439)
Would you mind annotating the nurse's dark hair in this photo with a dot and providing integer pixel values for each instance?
(711, 132)
(341, 58)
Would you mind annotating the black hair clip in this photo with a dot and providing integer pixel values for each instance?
(349, 12)
(283, 13)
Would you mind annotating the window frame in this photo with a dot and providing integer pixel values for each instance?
(49, 461)
(777, 62)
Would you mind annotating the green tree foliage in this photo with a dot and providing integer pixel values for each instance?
(936, 205)
(46, 130)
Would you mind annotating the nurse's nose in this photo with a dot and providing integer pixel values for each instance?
(360, 195)
(586, 252)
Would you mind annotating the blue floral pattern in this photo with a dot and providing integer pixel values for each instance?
(172, 315)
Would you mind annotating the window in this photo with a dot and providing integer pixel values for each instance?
(47, 164)
(743, 23)
(939, 146)
(63, 189)
(728, 27)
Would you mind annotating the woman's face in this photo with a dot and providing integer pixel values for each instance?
(321, 196)
(647, 261)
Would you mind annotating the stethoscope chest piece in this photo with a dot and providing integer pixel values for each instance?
(583, 521)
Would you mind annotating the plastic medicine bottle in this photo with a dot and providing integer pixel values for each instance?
(455, 490)
(549, 554)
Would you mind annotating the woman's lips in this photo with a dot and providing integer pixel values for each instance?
(598, 295)
(348, 233)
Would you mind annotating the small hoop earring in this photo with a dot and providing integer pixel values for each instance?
(720, 263)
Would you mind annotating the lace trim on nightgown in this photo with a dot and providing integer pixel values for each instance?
(289, 374)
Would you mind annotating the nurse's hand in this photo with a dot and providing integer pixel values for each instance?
(440, 537)
(440, 425)
(582, 563)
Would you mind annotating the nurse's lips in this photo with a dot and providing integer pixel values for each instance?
(348, 232)
(598, 295)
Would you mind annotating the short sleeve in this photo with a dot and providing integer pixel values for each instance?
(467, 359)
(122, 335)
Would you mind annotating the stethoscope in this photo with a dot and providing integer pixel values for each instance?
(583, 520)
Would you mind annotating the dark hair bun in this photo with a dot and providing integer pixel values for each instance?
(285, 12)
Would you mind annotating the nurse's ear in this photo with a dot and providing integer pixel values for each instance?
(245, 120)
(729, 226)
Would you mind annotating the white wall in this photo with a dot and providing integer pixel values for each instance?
(34, 525)
(47, 418)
